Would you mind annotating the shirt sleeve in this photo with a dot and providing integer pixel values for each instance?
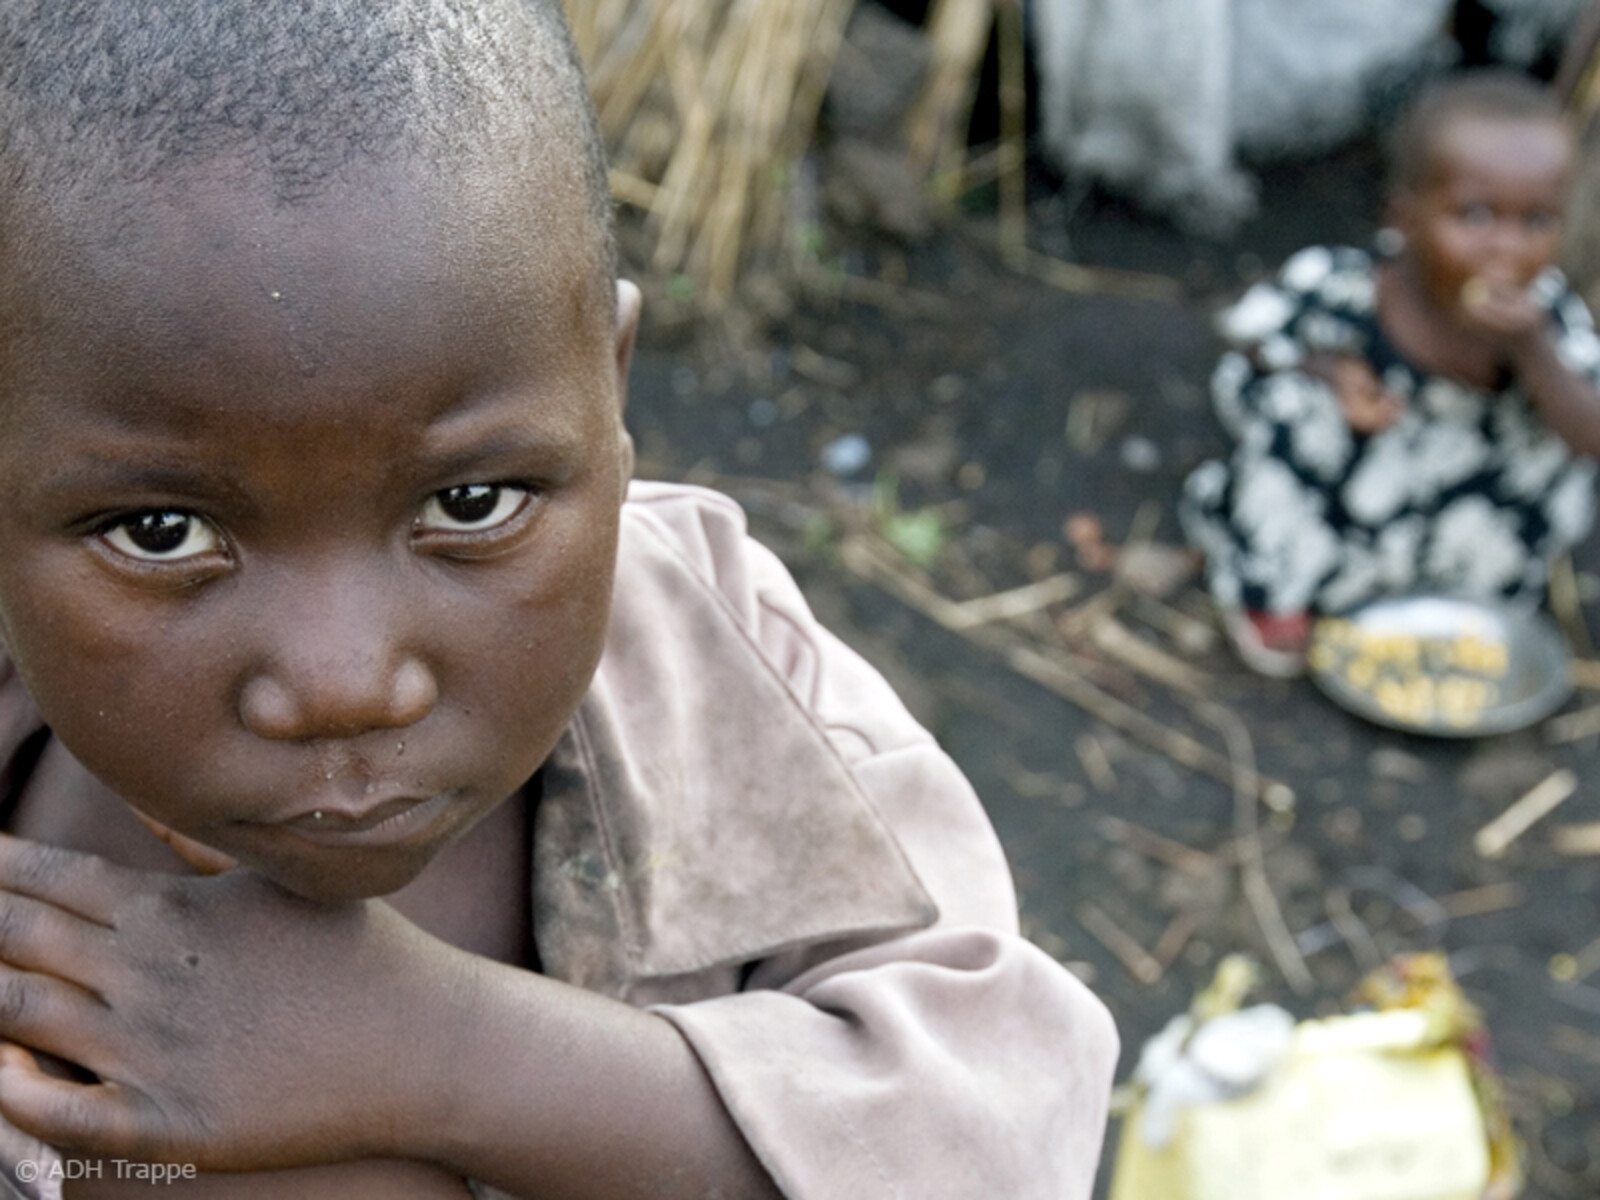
(957, 1061)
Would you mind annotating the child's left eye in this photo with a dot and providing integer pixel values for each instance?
(471, 507)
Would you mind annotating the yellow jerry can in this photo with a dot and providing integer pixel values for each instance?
(1361, 1108)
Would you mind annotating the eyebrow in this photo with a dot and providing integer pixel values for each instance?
(556, 448)
(93, 471)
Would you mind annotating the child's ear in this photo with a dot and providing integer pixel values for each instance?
(629, 304)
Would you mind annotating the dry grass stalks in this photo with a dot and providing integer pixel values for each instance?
(707, 107)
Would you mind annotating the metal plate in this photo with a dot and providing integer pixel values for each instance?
(1442, 666)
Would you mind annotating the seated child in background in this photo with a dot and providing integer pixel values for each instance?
(321, 580)
(1421, 420)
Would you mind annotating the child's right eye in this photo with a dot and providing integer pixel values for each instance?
(163, 535)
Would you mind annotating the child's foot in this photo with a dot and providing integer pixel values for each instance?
(1271, 644)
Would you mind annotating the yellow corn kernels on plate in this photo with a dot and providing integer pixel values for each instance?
(1441, 665)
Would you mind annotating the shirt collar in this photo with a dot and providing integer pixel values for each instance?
(695, 814)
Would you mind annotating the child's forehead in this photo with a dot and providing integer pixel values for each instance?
(160, 299)
(1490, 140)
(408, 235)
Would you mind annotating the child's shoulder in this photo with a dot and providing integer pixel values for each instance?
(1322, 296)
(694, 528)
(684, 512)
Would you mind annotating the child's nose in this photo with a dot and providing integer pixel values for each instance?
(336, 668)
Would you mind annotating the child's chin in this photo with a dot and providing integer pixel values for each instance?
(362, 877)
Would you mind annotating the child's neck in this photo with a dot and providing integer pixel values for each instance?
(1429, 337)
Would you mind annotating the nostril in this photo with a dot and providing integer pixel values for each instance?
(415, 693)
(336, 703)
(268, 710)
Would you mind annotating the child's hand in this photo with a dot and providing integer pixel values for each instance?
(1367, 405)
(1502, 310)
(231, 1024)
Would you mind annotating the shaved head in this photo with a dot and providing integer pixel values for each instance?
(1484, 93)
(96, 95)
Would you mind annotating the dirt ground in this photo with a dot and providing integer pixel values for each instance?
(1005, 406)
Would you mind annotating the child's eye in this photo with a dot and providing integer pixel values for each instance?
(471, 507)
(1475, 214)
(162, 535)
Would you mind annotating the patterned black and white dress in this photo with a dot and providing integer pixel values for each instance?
(1468, 492)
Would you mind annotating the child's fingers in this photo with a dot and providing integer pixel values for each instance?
(36, 936)
(92, 1118)
(202, 859)
(53, 1016)
(81, 883)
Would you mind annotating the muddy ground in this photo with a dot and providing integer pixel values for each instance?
(1007, 406)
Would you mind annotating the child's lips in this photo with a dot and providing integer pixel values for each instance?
(392, 820)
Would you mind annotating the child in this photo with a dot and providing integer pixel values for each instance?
(319, 583)
(1425, 420)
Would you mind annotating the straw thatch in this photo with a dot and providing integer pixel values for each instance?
(709, 106)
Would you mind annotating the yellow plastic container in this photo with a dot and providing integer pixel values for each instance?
(1355, 1112)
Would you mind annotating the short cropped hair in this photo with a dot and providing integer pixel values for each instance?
(1491, 92)
(99, 92)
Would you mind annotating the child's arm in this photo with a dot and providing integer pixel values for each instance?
(366, 1039)
(390, 1179)
(1367, 406)
(1567, 401)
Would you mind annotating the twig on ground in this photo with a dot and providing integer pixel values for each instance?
(1577, 841)
(1039, 785)
(1191, 635)
(1252, 860)
(1480, 901)
(1352, 929)
(1076, 622)
(1585, 673)
(1051, 668)
(1175, 938)
(1135, 958)
(1496, 837)
(1574, 726)
(1154, 845)
(1096, 762)
(1114, 639)
(1018, 602)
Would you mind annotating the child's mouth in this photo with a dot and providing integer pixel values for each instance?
(396, 820)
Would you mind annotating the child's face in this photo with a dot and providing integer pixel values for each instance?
(310, 514)
(1489, 210)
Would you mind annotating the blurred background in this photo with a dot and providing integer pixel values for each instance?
(930, 290)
